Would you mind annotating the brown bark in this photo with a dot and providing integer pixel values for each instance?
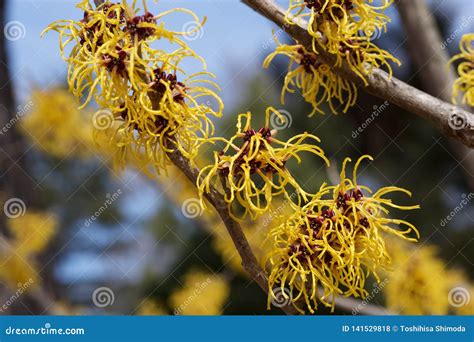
(431, 61)
(439, 113)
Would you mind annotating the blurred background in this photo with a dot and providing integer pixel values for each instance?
(94, 240)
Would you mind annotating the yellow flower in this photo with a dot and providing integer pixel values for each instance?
(345, 29)
(418, 281)
(57, 126)
(253, 166)
(111, 53)
(465, 83)
(18, 272)
(30, 235)
(317, 82)
(32, 232)
(151, 308)
(179, 120)
(115, 61)
(328, 247)
(202, 294)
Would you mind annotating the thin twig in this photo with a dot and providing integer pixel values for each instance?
(439, 113)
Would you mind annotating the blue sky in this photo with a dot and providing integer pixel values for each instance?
(233, 42)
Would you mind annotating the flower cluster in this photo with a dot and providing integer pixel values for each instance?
(329, 246)
(346, 30)
(31, 233)
(316, 80)
(465, 83)
(418, 280)
(252, 166)
(114, 61)
(151, 308)
(202, 293)
(57, 126)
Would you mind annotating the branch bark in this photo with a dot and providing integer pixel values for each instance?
(432, 60)
(441, 114)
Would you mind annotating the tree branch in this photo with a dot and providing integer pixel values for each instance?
(432, 60)
(439, 113)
